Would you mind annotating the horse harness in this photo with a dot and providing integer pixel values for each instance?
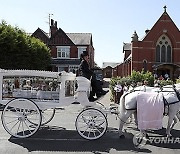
(166, 104)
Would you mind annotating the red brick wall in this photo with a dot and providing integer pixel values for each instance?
(74, 52)
(54, 52)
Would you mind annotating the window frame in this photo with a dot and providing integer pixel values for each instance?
(163, 49)
(63, 52)
(81, 49)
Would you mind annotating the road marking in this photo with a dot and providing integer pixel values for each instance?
(49, 139)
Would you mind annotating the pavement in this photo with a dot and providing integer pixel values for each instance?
(60, 137)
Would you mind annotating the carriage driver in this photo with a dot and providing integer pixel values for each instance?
(85, 71)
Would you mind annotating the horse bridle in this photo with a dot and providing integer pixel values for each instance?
(174, 90)
(177, 95)
(177, 92)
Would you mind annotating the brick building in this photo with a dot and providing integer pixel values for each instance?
(66, 47)
(157, 52)
(109, 69)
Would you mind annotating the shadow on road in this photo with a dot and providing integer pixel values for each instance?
(60, 139)
(158, 139)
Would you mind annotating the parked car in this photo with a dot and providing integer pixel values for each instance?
(99, 75)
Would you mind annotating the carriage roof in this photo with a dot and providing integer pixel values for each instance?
(40, 73)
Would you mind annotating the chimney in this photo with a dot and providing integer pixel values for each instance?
(147, 31)
(52, 22)
(53, 27)
(55, 24)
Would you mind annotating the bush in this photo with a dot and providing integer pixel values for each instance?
(135, 78)
(21, 51)
(142, 76)
(178, 80)
(166, 82)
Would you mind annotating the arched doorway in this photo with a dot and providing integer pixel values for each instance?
(173, 70)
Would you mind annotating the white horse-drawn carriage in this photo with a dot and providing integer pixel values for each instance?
(30, 98)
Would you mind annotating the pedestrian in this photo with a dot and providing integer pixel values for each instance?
(156, 83)
(166, 76)
(125, 88)
(118, 92)
(161, 77)
(145, 84)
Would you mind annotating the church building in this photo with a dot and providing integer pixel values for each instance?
(158, 51)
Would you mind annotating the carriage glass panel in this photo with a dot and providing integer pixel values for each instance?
(32, 87)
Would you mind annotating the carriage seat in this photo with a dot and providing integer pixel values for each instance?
(33, 94)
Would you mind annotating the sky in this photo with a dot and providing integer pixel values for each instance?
(111, 22)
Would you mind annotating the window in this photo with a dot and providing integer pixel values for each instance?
(60, 69)
(158, 53)
(145, 65)
(163, 53)
(73, 68)
(80, 50)
(163, 49)
(168, 53)
(63, 51)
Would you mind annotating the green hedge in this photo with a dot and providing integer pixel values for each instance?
(178, 80)
(135, 78)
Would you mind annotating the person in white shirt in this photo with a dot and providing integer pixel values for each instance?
(125, 88)
(166, 76)
(118, 92)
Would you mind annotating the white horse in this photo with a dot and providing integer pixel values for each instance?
(170, 94)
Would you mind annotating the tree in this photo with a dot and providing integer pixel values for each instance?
(21, 51)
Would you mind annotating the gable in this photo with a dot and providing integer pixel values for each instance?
(40, 34)
(164, 25)
(60, 38)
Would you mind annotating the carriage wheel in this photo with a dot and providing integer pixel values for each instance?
(21, 118)
(91, 124)
(102, 108)
(47, 115)
(101, 105)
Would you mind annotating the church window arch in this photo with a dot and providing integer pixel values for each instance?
(168, 53)
(145, 65)
(163, 50)
(158, 53)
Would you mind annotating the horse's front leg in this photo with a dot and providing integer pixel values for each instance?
(144, 133)
(172, 120)
(178, 115)
(122, 120)
(175, 120)
(135, 118)
(168, 129)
